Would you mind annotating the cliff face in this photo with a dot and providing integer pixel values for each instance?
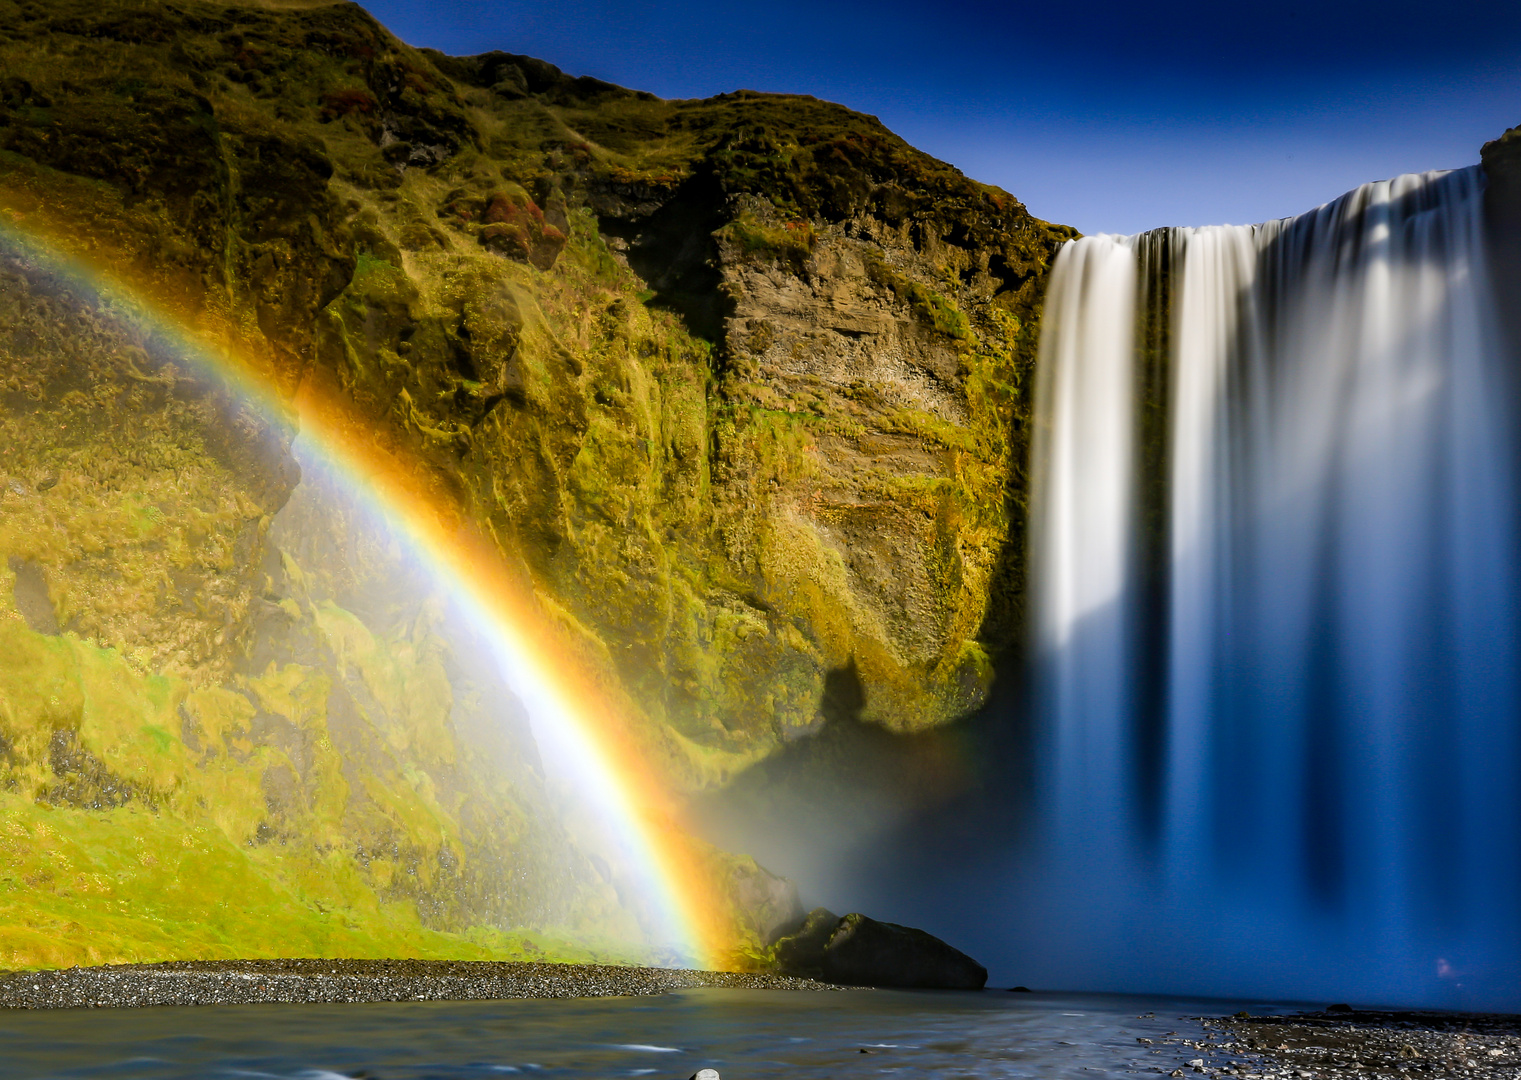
(790, 432)
(1501, 159)
(742, 383)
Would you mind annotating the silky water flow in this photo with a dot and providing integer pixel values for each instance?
(1274, 586)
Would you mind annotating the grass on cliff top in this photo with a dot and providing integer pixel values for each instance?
(798, 151)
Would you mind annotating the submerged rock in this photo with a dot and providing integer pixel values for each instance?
(860, 951)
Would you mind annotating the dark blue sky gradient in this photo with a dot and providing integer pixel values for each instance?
(1107, 116)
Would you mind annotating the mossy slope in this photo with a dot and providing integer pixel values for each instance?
(742, 383)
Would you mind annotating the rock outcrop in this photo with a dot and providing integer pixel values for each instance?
(859, 951)
(1501, 159)
(742, 384)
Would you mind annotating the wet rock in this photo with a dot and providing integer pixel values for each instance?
(865, 952)
(1348, 1043)
(860, 951)
(802, 950)
(705, 1074)
(1502, 212)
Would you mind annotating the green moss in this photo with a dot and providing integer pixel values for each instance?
(176, 872)
(367, 264)
(132, 886)
(685, 512)
(787, 241)
(931, 307)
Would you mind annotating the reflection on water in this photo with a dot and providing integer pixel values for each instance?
(741, 1033)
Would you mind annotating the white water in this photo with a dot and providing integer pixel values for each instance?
(1082, 550)
(1337, 771)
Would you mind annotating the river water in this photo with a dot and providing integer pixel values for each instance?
(742, 1033)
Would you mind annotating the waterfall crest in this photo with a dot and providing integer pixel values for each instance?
(1276, 628)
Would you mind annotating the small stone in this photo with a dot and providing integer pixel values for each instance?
(1196, 1063)
(1176, 1072)
(705, 1074)
(48, 481)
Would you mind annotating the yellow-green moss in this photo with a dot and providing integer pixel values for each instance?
(179, 871)
(671, 504)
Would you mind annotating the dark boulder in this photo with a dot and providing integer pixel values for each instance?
(801, 952)
(858, 951)
(1502, 218)
(865, 952)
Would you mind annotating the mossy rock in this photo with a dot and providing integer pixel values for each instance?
(743, 384)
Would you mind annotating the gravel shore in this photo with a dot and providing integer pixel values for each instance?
(227, 982)
(1359, 1043)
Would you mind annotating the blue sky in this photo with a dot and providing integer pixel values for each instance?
(1112, 117)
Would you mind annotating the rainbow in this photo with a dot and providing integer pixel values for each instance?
(573, 721)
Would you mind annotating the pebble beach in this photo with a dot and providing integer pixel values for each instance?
(1342, 1043)
(244, 982)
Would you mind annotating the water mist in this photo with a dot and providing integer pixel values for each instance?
(1274, 585)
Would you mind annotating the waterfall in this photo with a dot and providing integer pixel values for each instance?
(1275, 597)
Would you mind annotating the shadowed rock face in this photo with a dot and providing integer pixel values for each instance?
(31, 596)
(1502, 210)
(865, 952)
(743, 383)
(802, 947)
(859, 951)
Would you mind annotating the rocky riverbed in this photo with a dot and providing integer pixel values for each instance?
(243, 982)
(1344, 1042)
